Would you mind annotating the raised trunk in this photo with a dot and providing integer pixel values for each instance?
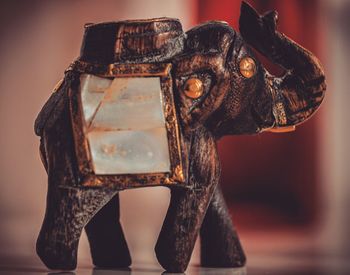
(298, 94)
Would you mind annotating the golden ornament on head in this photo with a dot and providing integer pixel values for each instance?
(247, 67)
(194, 88)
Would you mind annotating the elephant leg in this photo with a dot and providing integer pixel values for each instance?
(220, 246)
(180, 228)
(69, 206)
(188, 206)
(68, 211)
(105, 234)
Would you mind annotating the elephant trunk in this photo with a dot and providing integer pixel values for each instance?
(298, 94)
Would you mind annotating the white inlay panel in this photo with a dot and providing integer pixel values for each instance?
(125, 125)
(92, 92)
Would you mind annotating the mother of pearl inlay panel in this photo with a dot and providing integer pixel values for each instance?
(125, 124)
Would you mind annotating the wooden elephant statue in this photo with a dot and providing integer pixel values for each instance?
(144, 105)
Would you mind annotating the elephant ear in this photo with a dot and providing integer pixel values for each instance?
(299, 93)
(203, 63)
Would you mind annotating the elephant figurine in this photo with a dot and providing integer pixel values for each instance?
(213, 86)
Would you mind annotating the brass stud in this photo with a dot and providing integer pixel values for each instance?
(285, 129)
(247, 67)
(194, 88)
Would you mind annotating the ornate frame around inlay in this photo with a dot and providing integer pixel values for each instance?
(84, 162)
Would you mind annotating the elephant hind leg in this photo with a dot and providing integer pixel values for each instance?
(105, 234)
(67, 212)
(220, 245)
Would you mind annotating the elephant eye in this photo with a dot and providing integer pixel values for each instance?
(247, 67)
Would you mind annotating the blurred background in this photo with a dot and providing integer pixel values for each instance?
(287, 193)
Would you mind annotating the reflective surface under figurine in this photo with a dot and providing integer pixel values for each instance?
(144, 105)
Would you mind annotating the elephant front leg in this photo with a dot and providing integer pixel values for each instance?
(105, 234)
(68, 210)
(188, 206)
(180, 228)
(220, 245)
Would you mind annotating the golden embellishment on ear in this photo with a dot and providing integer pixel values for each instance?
(194, 88)
(247, 67)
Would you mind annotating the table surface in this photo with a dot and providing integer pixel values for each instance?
(258, 264)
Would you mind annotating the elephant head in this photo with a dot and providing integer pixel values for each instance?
(240, 96)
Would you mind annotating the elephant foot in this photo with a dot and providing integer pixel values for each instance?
(58, 255)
